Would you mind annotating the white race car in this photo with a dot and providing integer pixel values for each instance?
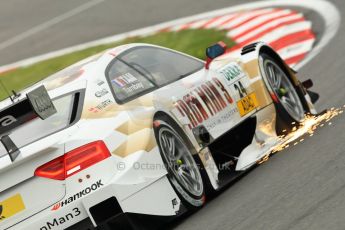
(140, 132)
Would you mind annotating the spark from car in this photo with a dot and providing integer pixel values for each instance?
(309, 125)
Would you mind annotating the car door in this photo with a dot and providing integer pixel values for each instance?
(216, 99)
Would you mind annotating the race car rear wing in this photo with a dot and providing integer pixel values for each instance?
(36, 104)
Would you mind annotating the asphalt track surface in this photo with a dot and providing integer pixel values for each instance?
(302, 187)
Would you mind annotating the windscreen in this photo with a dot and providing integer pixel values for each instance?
(141, 70)
(163, 66)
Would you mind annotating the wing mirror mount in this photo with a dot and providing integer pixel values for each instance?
(214, 51)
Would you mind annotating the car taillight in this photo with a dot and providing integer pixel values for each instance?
(74, 161)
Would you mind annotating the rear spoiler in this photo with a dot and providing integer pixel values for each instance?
(36, 104)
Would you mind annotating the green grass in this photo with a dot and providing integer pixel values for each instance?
(192, 42)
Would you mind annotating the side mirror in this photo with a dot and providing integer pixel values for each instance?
(214, 51)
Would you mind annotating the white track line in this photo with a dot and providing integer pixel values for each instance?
(243, 17)
(296, 49)
(331, 17)
(48, 24)
(220, 20)
(271, 24)
(198, 24)
(285, 30)
(257, 21)
(262, 25)
(282, 32)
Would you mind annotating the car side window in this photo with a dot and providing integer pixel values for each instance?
(127, 83)
(161, 65)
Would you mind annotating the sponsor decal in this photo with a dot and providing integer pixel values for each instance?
(134, 87)
(203, 102)
(124, 80)
(223, 117)
(103, 104)
(11, 206)
(54, 224)
(100, 82)
(248, 102)
(78, 195)
(242, 92)
(56, 206)
(101, 93)
(93, 110)
(7, 120)
(231, 72)
(100, 106)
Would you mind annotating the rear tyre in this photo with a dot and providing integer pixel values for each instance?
(183, 171)
(289, 106)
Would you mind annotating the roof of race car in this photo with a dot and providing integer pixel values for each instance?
(79, 71)
(65, 80)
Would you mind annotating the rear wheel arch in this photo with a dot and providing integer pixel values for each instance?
(160, 115)
(163, 120)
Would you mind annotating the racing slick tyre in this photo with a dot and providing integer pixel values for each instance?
(183, 172)
(288, 103)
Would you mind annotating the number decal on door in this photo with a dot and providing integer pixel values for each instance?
(247, 102)
(240, 89)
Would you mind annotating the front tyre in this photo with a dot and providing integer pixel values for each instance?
(289, 106)
(183, 172)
